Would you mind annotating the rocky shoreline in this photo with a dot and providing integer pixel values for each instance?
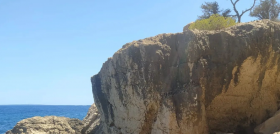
(194, 82)
(58, 125)
(47, 124)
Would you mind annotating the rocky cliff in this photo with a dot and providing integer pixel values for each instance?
(195, 82)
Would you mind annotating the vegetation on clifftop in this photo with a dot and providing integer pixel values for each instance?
(214, 22)
(214, 18)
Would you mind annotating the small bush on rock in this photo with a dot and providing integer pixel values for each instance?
(215, 22)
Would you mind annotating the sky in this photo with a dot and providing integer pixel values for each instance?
(49, 49)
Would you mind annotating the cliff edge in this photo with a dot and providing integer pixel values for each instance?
(195, 82)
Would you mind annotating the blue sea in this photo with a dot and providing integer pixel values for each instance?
(11, 114)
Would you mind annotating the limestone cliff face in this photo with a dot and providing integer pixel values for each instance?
(195, 82)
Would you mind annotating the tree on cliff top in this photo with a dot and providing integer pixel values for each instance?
(239, 15)
(211, 8)
(268, 9)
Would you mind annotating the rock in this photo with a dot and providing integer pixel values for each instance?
(187, 27)
(91, 121)
(195, 82)
(47, 125)
(270, 126)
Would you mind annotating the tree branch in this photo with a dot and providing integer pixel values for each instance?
(248, 9)
(236, 11)
(234, 7)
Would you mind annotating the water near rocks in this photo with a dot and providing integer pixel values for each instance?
(11, 114)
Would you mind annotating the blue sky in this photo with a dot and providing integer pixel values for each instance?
(49, 49)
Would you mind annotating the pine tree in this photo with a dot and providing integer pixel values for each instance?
(211, 8)
(268, 9)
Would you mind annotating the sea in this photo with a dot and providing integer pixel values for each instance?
(11, 114)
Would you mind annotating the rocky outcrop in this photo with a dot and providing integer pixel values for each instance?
(186, 28)
(195, 82)
(48, 125)
(91, 121)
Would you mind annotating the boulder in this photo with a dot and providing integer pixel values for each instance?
(195, 82)
(48, 125)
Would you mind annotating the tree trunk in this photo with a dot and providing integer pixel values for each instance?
(239, 19)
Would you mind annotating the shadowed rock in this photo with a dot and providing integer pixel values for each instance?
(91, 121)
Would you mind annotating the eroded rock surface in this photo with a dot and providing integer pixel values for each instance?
(195, 82)
(48, 125)
(91, 121)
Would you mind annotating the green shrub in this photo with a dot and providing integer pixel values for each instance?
(214, 22)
